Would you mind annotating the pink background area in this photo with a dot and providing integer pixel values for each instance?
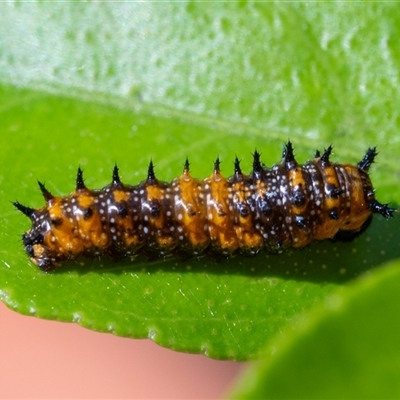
(47, 359)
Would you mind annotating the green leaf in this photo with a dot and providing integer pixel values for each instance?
(348, 348)
(94, 84)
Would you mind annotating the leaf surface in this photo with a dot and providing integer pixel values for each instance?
(94, 84)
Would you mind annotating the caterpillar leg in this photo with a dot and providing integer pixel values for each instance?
(380, 208)
(348, 236)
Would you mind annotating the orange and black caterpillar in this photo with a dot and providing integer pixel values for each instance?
(287, 205)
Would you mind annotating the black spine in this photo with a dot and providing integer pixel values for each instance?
(151, 176)
(80, 184)
(368, 159)
(186, 166)
(29, 212)
(257, 165)
(217, 166)
(116, 180)
(325, 156)
(288, 156)
(46, 194)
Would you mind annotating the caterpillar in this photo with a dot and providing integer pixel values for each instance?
(287, 205)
